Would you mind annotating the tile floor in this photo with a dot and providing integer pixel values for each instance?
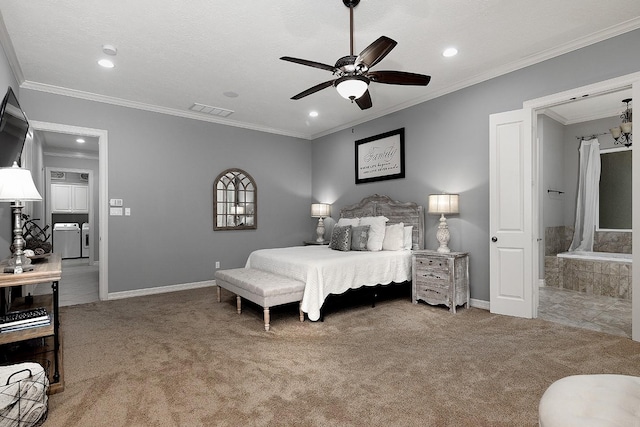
(598, 313)
(79, 284)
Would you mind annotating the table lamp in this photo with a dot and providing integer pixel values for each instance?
(320, 211)
(16, 186)
(443, 204)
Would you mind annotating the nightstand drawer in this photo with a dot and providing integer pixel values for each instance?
(432, 265)
(432, 276)
(432, 282)
(433, 296)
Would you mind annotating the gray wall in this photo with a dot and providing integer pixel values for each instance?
(163, 168)
(447, 144)
(6, 79)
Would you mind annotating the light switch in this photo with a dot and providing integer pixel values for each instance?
(115, 211)
(115, 202)
(127, 211)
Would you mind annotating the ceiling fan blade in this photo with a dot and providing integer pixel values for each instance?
(398, 78)
(377, 50)
(364, 101)
(310, 63)
(314, 89)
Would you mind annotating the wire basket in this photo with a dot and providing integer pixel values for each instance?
(23, 395)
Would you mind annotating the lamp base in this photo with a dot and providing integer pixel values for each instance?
(18, 264)
(320, 231)
(443, 235)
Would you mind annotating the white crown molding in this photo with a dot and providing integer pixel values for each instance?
(555, 116)
(73, 93)
(610, 32)
(12, 58)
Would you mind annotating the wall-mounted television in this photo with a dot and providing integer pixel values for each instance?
(13, 130)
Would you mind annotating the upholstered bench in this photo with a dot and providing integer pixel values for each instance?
(261, 287)
(591, 400)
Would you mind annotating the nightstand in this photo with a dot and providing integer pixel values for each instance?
(313, 242)
(440, 278)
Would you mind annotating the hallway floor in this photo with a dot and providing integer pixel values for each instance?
(598, 313)
(79, 284)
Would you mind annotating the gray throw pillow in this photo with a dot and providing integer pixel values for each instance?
(341, 238)
(359, 238)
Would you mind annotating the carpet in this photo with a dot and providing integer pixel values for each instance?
(182, 359)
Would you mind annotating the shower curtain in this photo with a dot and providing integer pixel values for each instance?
(587, 203)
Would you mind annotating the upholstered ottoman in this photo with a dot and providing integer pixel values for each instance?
(591, 401)
(261, 287)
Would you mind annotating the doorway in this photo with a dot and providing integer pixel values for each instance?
(100, 216)
(532, 276)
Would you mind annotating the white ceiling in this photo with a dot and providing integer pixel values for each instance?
(172, 54)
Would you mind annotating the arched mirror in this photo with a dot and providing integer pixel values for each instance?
(234, 201)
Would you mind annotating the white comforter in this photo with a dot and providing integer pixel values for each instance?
(326, 271)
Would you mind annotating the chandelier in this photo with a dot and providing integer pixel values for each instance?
(622, 134)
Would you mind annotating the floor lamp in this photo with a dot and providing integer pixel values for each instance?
(16, 187)
(441, 204)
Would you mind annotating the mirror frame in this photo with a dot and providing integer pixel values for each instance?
(235, 188)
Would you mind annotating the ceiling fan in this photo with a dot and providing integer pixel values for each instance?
(353, 72)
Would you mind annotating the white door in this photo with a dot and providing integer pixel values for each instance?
(510, 223)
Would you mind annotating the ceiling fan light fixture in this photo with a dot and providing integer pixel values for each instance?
(352, 87)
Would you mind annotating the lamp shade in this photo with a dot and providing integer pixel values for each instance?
(352, 87)
(320, 210)
(17, 184)
(443, 204)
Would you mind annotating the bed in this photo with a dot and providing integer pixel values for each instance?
(326, 271)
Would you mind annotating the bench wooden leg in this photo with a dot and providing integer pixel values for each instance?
(266, 318)
(301, 312)
(219, 296)
(238, 304)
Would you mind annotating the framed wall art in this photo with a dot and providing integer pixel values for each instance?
(380, 157)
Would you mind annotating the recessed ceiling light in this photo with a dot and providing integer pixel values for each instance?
(449, 52)
(106, 63)
(80, 141)
(313, 114)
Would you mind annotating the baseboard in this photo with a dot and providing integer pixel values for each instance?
(478, 303)
(160, 290)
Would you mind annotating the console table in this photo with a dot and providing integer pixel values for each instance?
(47, 270)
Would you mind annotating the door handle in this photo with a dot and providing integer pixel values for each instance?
(494, 239)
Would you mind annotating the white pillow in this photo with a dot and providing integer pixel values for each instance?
(408, 237)
(393, 237)
(376, 231)
(354, 222)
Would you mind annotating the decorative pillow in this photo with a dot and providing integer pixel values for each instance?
(359, 237)
(376, 231)
(341, 238)
(408, 237)
(354, 222)
(393, 237)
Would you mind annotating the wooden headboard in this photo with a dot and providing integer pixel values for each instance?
(408, 213)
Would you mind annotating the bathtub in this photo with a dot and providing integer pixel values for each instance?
(597, 256)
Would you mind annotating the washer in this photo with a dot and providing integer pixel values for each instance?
(66, 239)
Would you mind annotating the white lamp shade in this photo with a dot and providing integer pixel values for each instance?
(17, 184)
(626, 127)
(320, 210)
(615, 132)
(443, 204)
(352, 87)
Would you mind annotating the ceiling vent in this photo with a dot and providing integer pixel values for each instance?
(57, 175)
(84, 177)
(213, 111)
